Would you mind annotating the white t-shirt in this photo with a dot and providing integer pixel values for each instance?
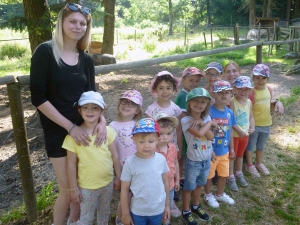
(124, 143)
(172, 110)
(198, 149)
(145, 175)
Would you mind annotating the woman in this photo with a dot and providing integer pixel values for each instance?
(60, 72)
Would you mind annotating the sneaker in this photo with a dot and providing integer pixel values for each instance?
(118, 222)
(176, 196)
(232, 184)
(211, 201)
(252, 170)
(225, 198)
(175, 212)
(188, 219)
(261, 168)
(241, 180)
(200, 213)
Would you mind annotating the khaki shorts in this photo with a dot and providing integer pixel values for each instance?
(221, 165)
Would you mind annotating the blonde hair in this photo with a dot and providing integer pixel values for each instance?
(136, 117)
(204, 113)
(234, 64)
(58, 38)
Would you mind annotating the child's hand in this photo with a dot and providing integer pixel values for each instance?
(213, 125)
(213, 157)
(117, 183)
(250, 130)
(127, 220)
(196, 123)
(166, 214)
(231, 153)
(177, 185)
(242, 134)
(279, 109)
(76, 196)
(179, 154)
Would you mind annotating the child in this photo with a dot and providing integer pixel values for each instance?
(190, 79)
(129, 111)
(231, 71)
(213, 73)
(93, 188)
(167, 125)
(242, 108)
(261, 97)
(163, 86)
(145, 175)
(222, 144)
(196, 128)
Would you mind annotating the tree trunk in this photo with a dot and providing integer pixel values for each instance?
(251, 13)
(208, 12)
(109, 27)
(288, 10)
(269, 8)
(38, 22)
(170, 18)
(297, 8)
(265, 4)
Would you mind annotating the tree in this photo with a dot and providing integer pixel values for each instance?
(109, 27)
(288, 10)
(265, 4)
(38, 22)
(251, 12)
(269, 8)
(170, 18)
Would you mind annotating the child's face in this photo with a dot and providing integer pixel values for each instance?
(190, 82)
(146, 144)
(222, 97)
(212, 76)
(260, 82)
(128, 109)
(90, 113)
(242, 92)
(231, 73)
(198, 105)
(166, 134)
(165, 90)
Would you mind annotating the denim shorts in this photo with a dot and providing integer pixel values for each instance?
(146, 220)
(258, 139)
(195, 173)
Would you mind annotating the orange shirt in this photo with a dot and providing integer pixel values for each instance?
(171, 158)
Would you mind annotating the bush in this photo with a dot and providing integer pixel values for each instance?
(149, 46)
(12, 51)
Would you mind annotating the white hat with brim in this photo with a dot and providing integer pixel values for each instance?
(91, 97)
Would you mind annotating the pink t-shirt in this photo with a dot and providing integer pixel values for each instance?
(171, 157)
(124, 143)
(172, 110)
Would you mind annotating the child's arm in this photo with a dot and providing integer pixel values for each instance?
(117, 166)
(100, 129)
(177, 179)
(76, 196)
(166, 214)
(252, 124)
(179, 134)
(277, 107)
(204, 130)
(231, 145)
(235, 127)
(126, 218)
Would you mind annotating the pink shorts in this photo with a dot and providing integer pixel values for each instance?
(240, 144)
(221, 165)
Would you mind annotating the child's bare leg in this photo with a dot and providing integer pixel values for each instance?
(207, 187)
(259, 156)
(196, 195)
(181, 166)
(238, 164)
(221, 185)
(186, 196)
(231, 165)
(249, 157)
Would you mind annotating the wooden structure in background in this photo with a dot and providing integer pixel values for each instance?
(95, 47)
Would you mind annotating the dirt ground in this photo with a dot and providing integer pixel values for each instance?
(111, 86)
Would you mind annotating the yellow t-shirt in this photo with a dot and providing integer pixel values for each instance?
(242, 115)
(261, 108)
(95, 166)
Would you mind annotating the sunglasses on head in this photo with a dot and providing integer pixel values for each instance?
(74, 7)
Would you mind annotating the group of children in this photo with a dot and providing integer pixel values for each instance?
(188, 141)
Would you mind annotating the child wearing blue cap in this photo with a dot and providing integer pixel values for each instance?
(222, 144)
(92, 185)
(145, 175)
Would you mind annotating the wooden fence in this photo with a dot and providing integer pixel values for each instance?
(17, 113)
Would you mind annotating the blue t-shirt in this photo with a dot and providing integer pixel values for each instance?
(225, 120)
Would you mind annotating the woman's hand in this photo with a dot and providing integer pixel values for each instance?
(80, 136)
(101, 131)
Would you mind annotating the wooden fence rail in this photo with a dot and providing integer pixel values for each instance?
(17, 113)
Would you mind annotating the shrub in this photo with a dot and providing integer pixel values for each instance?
(12, 51)
(149, 46)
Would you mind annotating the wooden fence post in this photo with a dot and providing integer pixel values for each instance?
(211, 38)
(258, 32)
(204, 40)
(20, 136)
(258, 54)
(185, 30)
(236, 35)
